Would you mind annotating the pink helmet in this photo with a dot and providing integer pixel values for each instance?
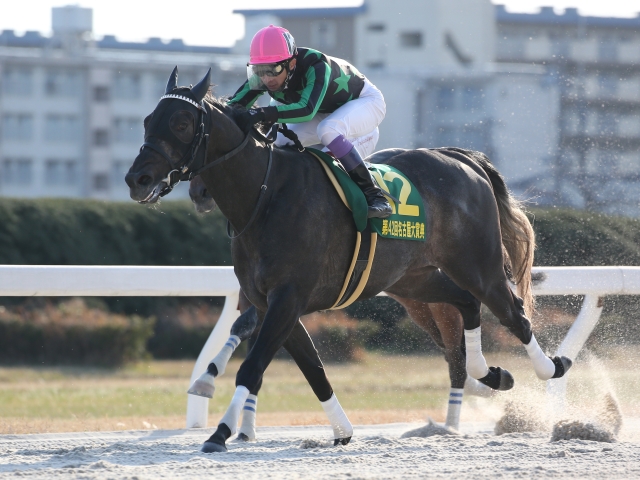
(271, 45)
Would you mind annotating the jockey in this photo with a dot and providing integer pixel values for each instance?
(322, 99)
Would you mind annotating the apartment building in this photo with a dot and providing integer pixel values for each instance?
(552, 98)
(71, 108)
(594, 65)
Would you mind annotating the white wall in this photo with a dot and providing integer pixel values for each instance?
(473, 32)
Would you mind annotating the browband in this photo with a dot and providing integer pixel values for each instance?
(186, 99)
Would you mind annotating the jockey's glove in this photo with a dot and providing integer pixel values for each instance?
(248, 119)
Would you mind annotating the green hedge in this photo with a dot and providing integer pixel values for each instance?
(579, 238)
(90, 232)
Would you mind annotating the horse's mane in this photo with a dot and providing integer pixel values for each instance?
(230, 110)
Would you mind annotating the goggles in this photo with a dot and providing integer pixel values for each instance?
(256, 72)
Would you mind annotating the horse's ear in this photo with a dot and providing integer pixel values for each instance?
(201, 89)
(173, 81)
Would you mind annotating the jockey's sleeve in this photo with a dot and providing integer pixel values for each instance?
(245, 96)
(317, 82)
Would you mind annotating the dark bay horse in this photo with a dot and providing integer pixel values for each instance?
(295, 238)
(441, 321)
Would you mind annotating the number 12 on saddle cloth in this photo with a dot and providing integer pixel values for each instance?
(407, 220)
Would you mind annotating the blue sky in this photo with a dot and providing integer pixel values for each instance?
(215, 24)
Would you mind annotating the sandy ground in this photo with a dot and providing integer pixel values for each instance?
(23, 425)
(376, 451)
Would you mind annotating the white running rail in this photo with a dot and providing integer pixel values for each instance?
(130, 281)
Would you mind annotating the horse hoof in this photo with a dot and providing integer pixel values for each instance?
(498, 379)
(341, 441)
(210, 447)
(243, 437)
(562, 365)
(203, 386)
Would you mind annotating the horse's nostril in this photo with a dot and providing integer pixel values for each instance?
(144, 180)
(130, 179)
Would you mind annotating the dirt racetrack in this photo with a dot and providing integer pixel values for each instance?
(376, 451)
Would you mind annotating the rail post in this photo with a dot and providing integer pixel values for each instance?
(573, 342)
(198, 407)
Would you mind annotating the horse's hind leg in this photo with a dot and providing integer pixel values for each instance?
(444, 323)
(434, 286)
(508, 308)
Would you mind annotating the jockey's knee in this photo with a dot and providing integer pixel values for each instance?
(329, 129)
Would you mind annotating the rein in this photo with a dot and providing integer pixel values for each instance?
(263, 190)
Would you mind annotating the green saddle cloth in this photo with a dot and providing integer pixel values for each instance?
(407, 222)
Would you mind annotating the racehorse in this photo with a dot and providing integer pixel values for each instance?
(294, 242)
(443, 323)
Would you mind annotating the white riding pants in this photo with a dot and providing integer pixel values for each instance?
(356, 120)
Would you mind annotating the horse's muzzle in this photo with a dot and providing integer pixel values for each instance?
(141, 188)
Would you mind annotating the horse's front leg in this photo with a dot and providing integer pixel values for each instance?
(285, 307)
(304, 353)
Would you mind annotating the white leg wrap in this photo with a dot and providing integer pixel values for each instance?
(455, 405)
(341, 425)
(477, 389)
(230, 418)
(476, 363)
(542, 364)
(224, 355)
(248, 426)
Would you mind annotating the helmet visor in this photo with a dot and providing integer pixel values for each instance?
(259, 74)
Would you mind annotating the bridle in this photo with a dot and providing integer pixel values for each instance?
(185, 170)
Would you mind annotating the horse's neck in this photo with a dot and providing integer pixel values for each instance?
(235, 183)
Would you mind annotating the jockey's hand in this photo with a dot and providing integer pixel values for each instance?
(246, 120)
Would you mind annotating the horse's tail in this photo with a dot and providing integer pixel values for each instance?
(518, 238)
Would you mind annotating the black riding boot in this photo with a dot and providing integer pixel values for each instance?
(378, 205)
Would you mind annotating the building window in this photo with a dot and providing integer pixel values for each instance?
(608, 50)
(127, 86)
(511, 47)
(100, 94)
(607, 123)
(445, 98)
(62, 128)
(323, 34)
(17, 171)
(62, 83)
(376, 27)
(607, 84)
(61, 172)
(101, 182)
(17, 81)
(411, 39)
(472, 98)
(101, 138)
(159, 85)
(128, 130)
(561, 49)
(17, 126)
